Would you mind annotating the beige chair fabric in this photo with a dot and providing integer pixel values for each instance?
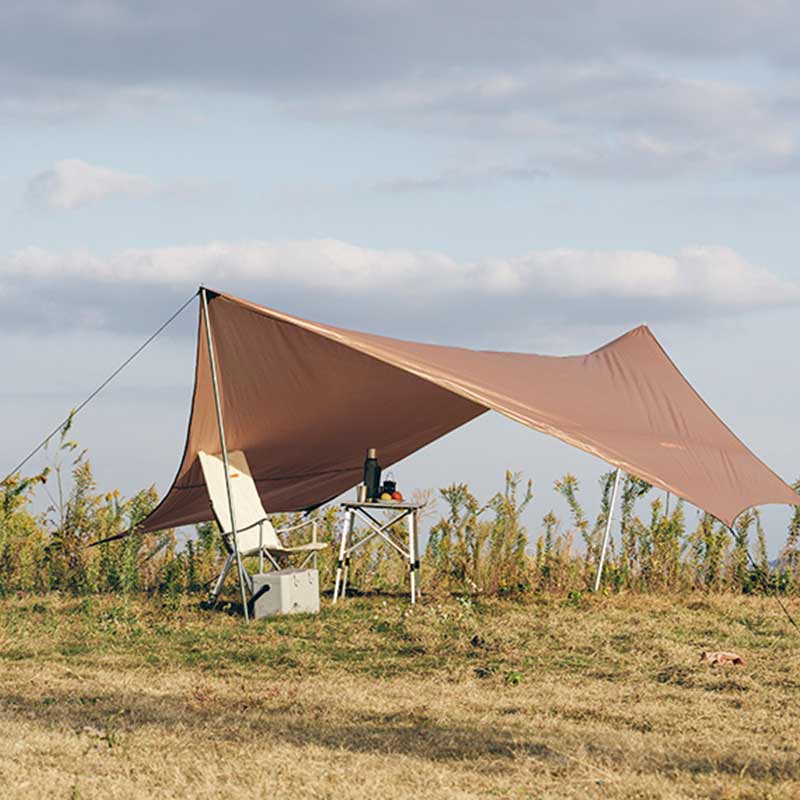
(254, 530)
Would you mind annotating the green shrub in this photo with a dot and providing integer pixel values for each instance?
(474, 548)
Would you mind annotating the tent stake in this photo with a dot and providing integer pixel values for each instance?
(231, 509)
(607, 534)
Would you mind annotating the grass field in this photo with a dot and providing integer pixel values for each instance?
(585, 697)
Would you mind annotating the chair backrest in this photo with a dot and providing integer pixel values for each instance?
(247, 504)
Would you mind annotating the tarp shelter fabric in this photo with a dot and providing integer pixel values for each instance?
(304, 401)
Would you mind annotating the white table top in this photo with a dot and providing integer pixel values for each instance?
(388, 505)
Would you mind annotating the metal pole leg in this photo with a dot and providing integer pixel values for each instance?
(417, 553)
(607, 534)
(224, 574)
(224, 447)
(314, 534)
(345, 573)
(348, 521)
(348, 539)
(412, 554)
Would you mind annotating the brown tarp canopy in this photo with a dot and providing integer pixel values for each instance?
(305, 400)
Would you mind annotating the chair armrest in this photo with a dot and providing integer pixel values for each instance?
(313, 524)
(288, 528)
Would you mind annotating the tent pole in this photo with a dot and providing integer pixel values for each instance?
(607, 534)
(218, 405)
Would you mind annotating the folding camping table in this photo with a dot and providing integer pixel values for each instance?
(363, 511)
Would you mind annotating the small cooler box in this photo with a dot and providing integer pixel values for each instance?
(286, 591)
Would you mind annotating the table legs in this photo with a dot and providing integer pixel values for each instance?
(347, 529)
(343, 564)
(413, 556)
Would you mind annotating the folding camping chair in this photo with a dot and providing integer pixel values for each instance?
(255, 534)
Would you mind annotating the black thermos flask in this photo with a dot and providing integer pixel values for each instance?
(372, 474)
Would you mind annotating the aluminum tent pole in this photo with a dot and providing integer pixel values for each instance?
(607, 534)
(218, 405)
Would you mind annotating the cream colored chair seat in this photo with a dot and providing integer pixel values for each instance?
(255, 534)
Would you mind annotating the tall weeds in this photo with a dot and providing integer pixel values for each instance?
(475, 547)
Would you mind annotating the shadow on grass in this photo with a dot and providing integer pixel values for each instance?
(410, 733)
(232, 606)
(273, 717)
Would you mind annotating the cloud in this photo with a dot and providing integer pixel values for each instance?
(44, 98)
(321, 44)
(72, 183)
(592, 119)
(395, 290)
(626, 90)
(462, 178)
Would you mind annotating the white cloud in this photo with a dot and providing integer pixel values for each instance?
(716, 278)
(463, 178)
(71, 183)
(633, 92)
(588, 119)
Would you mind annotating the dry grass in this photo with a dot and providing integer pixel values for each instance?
(581, 698)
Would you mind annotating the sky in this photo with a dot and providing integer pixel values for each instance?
(516, 175)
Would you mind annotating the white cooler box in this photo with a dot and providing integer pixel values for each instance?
(286, 591)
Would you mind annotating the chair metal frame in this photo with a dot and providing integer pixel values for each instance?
(255, 534)
(268, 552)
